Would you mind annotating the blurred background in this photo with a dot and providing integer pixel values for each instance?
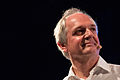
(28, 48)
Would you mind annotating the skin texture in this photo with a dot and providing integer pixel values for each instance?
(82, 43)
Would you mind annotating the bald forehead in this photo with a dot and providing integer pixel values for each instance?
(78, 19)
(78, 16)
(74, 14)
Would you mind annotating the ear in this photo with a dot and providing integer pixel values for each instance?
(63, 47)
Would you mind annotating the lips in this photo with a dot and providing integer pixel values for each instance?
(88, 44)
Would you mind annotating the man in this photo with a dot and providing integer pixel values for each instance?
(76, 36)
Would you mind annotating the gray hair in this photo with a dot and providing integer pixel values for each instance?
(60, 30)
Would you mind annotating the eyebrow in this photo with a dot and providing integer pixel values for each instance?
(78, 27)
(91, 25)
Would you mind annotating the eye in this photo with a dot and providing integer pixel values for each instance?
(79, 32)
(93, 30)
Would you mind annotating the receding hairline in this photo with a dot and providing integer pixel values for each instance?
(80, 13)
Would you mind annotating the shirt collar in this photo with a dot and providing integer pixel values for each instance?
(71, 73)
(101, 63)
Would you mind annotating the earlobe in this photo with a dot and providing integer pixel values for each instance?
(63, 47)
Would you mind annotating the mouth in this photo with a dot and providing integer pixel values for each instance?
(88, 44)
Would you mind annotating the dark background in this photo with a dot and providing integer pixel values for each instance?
(28, 48)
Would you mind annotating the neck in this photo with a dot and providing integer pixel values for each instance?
(82, 66)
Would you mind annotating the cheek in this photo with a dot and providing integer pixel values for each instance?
(74, 45)
(74, 41)
(77, 40)
(97, 39)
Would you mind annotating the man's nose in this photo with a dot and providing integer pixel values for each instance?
(88, 34)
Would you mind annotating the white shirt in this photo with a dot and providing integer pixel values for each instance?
(102, 71)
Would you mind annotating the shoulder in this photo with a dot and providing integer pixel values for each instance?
(71, 78)
(66, 78)
(114, 65)
(115, 68)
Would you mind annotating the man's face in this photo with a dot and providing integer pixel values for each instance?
(82, 37)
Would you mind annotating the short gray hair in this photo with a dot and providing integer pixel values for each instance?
(60, 30)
